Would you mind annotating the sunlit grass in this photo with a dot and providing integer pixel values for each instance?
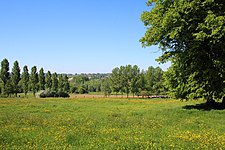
(108, 123)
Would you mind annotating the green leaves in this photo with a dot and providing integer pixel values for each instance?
(15, 77)
(191, 33)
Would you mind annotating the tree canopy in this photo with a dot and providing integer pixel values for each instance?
(191, 34)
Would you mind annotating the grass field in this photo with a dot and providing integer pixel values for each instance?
(108, 123)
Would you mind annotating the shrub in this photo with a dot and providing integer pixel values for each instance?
(49, 93)
(144, 93)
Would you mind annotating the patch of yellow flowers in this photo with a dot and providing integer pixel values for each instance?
(203, 138)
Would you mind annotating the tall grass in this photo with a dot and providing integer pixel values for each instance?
(107, 123)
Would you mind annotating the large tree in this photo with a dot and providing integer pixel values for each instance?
(4, 74)
(15, 77)
(191, 33)
(25, 80)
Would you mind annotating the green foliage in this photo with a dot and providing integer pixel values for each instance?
(134, 81)
(41, 79)
(115, 80)
(15, 78)
(60, 83)
(8, 88)
(66, 85)
(25, 80)
(82, 89)
(128, 79)
(190, 34)
(34, 80)
(49, 93)
(4, 74)
(54, 82)
(106, 87)
(48, 80)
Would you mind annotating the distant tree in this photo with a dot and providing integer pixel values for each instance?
(41, 79)
(15, 77)
(34, 80)
(127, 76)
(73, 89)
(60, 83)
(9, 88)
(115, 80)
(82, 89)
(158, 81)
(106, 87)
(54, 82)
(141, 83)
(48, 80)
(122, 79)
(66, 87)
(25, 80)
(134, 79)
(150, 79)
(4, 74)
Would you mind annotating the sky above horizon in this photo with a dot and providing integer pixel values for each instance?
(75, 36)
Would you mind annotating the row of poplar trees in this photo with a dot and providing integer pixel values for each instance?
(16, 82)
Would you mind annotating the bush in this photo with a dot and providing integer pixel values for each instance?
(144, 94)
(48, 93)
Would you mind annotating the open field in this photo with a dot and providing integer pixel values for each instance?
(108, 123)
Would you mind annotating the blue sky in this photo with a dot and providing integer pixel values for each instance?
(74, 36)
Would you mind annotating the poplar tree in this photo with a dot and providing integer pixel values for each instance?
(25, 80)
(48, 80)
(60, 83)
(54, 82)
(4, 74)
(41, 79)
(66, 87)
(34, 80)
(15, 77)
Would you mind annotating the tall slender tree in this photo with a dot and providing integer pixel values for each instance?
(134, 79)
(4, 74)
(60, 83)
(15, 77)
(54, 82)
(8, 88)
(48, 80)
(25, 80)
(41, 79)
(34, 80)
(66, 87)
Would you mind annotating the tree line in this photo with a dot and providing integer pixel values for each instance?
(16, 82)
(123, 80)
(131, 80)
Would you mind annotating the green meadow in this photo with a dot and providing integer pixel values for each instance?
(109, 123)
